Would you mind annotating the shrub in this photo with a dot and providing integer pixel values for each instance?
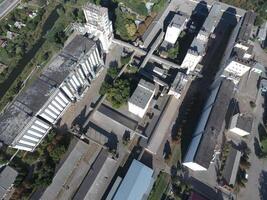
(58, 152)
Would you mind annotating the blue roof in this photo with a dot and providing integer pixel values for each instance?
(136, 183)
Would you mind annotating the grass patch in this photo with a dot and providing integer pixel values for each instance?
(160, 186)
(36, 169)
(176, 154)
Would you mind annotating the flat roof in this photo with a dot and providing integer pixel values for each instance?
(213, 18)
(214, 126)
(179, 82)
(136, 183)
(207, 136)
(77, 47)
(231, 166)
(7, 178)
(37, 94)
(13, 120)
(178, 20)
(58, 69)
(246, 27)
(91, 175)
(244, 122)
(117, 116)
(31, 100)
(142, 93)
(197, 46)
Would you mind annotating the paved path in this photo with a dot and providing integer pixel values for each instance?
(79, 111)
(143, 52)
(251, 191)
(6, 6)
(260, 54)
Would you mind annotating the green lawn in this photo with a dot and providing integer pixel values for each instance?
(176, 154)
(160, 186)
(264, 145)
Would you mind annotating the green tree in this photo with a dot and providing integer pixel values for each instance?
(173, 52)
(57, 153)
(119, 93)
(104, 88)
(112, 72)
(125, 60)
(124, 27)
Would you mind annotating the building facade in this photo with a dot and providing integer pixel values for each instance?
(34, 111)
(198, 48)
(98, 24)
(177, 25)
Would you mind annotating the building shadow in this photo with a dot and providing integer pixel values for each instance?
(112, 139)
(217, 44)
(263, 185)
(257, 148)
(233, 109)
(81, 118)
(205, 190)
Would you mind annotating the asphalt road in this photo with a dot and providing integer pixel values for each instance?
(6, 6)
(254, 188)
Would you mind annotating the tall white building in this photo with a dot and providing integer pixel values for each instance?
(198, 47)
(141, 98)
(98, 24)
(175, 28)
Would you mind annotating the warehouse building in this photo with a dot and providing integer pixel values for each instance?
(231, 166)
(208, 135)
(241, 60)
(137, 183)
(7, 178)
(32, 114)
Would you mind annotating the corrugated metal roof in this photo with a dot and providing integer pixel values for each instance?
(136, 183)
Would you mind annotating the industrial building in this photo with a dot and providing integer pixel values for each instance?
(177, 25)
(241, 58)
(198, 48)
(208, 135)
(141, 98)
(231, 166)
(241, 124)
(35, 110)
(137, 183)
(7, 178)
(262, 34)
(178, 85)
(98, 24)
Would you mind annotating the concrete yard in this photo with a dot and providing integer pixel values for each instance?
(78, 112)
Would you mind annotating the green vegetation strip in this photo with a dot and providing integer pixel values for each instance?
(36, 169)
(53, 41)
(160, 186)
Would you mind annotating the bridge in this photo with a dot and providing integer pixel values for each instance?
(149, 55)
